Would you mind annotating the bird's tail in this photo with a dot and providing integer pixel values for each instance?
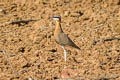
(75, 46)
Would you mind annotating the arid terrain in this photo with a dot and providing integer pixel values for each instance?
(28, 50)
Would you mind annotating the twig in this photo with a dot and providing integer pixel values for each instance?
(19, 22)
(106, 77)
(23, 21)
(107, 39)
(6, 56)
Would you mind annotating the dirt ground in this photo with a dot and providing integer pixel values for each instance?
(94, 25)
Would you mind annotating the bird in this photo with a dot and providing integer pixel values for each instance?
(61, 38)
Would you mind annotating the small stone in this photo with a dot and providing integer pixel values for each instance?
(66, 13)
(37, 40)
(75, 14)
(30, 79)
(2, 11)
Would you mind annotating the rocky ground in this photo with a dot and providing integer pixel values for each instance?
(32, 53)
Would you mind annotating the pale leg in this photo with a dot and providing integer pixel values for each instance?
(65, 53)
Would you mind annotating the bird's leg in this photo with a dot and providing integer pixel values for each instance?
(65, 53)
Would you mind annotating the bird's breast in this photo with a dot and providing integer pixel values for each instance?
(56, 37)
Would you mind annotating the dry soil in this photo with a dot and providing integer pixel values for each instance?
(94, 25)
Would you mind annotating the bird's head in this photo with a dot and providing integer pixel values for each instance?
(57, 18)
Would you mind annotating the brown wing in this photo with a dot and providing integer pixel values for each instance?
(65, 40)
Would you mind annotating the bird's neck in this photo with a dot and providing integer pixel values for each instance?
(58, 26)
